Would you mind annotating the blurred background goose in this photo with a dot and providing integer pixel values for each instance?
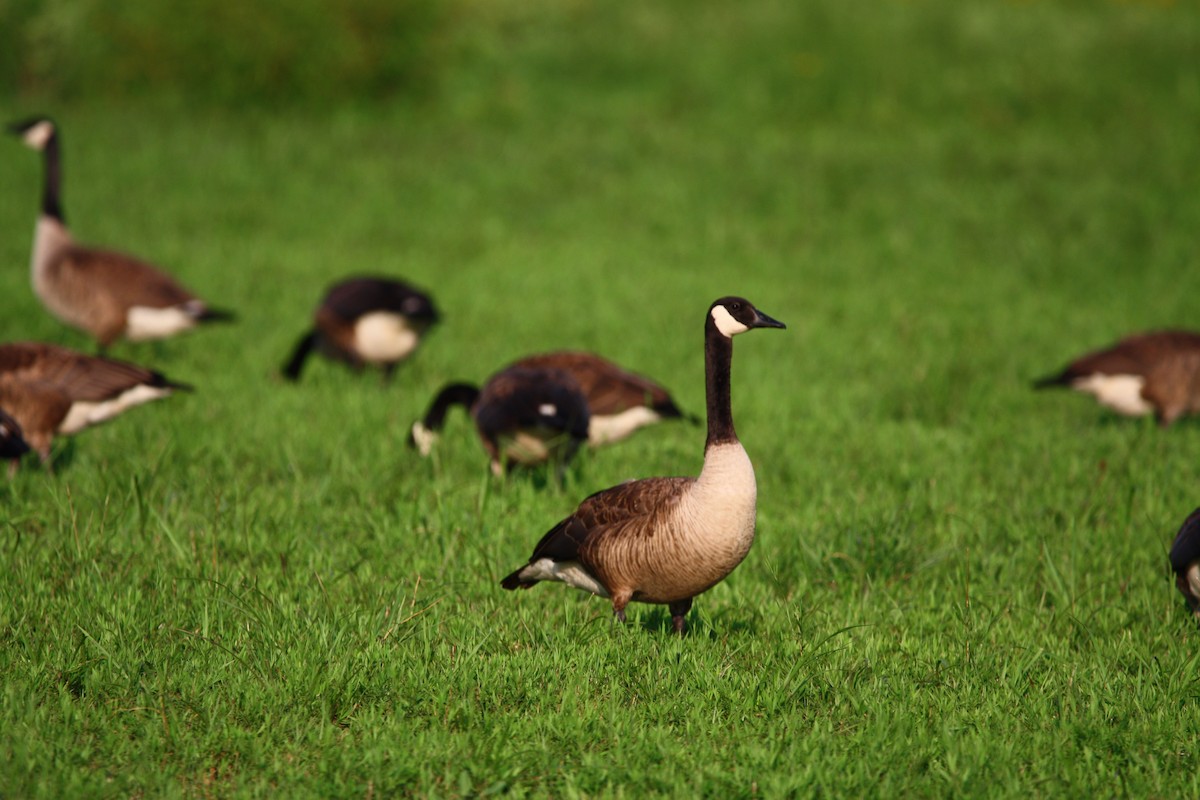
(366, 320)
(524, 416)
(106, 294)
(51, 390)
(1150, 373)
(619, 401)
(1185, 561)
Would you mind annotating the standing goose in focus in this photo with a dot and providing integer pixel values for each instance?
(665, 540)
(1185, 561)
(524, 417)
(52, 390)
(366, 321)
(106, 294)
(1150, 373)
(620, 401)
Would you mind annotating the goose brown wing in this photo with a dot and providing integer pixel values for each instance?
(1135, 355)
(625, 510)
(75, 375)
(609, 388)
(130, 281)
(1186, 548)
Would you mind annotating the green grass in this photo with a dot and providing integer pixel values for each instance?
(959, 586)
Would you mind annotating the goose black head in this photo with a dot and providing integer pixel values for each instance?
(12, 441)
(36, 132)
(1185, 557)
(419, 308)
(734, 315)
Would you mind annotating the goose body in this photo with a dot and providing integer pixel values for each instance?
(1185, 561)
(106, 294)
(51, 390)
(524, 416)
(364, 321)
(1150, 373)
(620, 401)
(665, 540)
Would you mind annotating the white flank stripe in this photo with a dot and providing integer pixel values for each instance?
(569, 572)
(529, 446)
(1121, 393)
(83, 415)
(143, 322)
(615, 427)
(382, 336)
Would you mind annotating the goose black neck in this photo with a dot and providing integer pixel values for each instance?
(718, 357)
(454, 394)
(50, 204)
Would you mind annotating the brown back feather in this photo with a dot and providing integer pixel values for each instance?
(127, 280)
(75, 375)
(1135, 355)
(609, 388)
(625, 510)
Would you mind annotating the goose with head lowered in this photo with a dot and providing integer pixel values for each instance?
(1185, 561)
(12, 441)
(665, 540)
(619, 401)
(366, 320)
(51, 390)
(106, 294)
(524, 416)
(1149, 373)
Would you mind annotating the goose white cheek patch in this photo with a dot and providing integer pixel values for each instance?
(423, 438)
(37, 136)
(726, 324)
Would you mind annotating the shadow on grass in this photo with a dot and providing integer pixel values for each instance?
(659, 621)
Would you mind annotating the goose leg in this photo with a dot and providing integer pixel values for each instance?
(678, 612)
(620, 599)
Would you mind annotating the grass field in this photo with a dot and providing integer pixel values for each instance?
(959, 586)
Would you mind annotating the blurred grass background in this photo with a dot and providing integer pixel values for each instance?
(214, 51)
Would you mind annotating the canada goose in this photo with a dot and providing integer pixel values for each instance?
(12, 441)
(620, 401)
(53, 390)
(523, 416)
(665, 540)
(103, 293)
(366, 321)
(1185, 561)
(1155, 373)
